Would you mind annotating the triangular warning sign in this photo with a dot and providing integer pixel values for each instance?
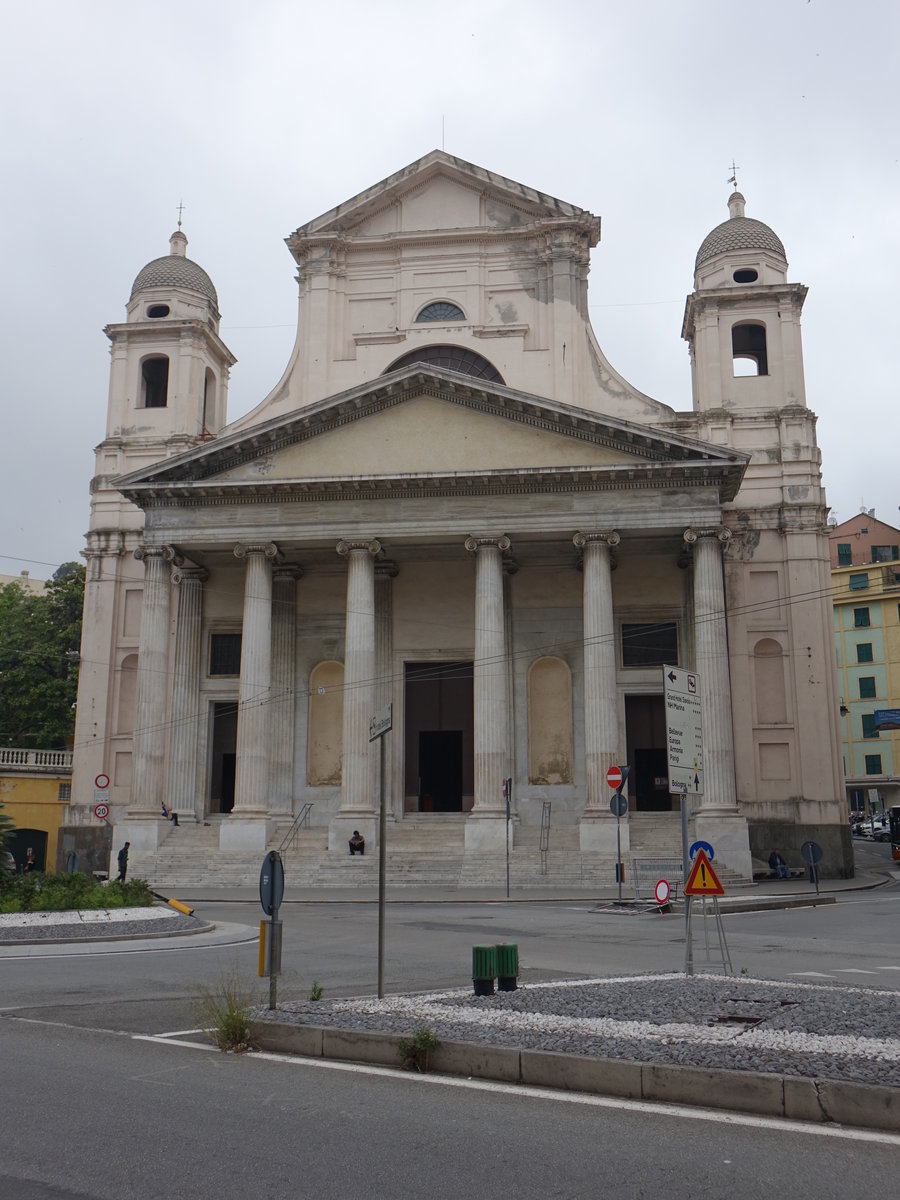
(703, 881)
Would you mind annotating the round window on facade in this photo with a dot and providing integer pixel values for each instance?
(748, 275)
(158, 310)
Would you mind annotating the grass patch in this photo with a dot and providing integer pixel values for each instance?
(37, 892)
(224, 1013)
(416, 1048)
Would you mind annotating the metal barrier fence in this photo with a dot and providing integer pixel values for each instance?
(647, 872)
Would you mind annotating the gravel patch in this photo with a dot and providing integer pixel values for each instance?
(94, 924)
(825, 1031)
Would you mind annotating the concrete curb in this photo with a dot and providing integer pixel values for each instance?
(99, 935)
(793, 1097)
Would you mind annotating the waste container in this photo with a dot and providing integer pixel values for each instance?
(507, 967)
(484, 969)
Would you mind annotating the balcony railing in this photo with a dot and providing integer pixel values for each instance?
(43, 761)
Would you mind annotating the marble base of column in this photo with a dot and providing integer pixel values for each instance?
(341, 828)
(486, 833)
(597, 834)
(142, 832)
(728, 834)
(244, 833)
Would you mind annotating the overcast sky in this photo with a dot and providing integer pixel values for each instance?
(262, 116)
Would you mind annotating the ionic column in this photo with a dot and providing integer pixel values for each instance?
(357, 793)
(284, 642)
(491, 678)
(252, 789)
(601, 719)
(182, 772)
(711, 642)
(149, 750)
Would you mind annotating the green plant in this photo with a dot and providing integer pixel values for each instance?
(316, 991)
(416, 1048)
(225, 1013)
(37, 892)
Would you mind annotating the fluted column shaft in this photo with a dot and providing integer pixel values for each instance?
(711, 641)
(182, 771)
(491, 676)
(284, 643)
(601, 721)
(357, 791)
(152, 683)
(252, 785)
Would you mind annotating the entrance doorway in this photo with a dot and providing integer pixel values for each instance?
(440, 758)
(224, 757)
(645, 737)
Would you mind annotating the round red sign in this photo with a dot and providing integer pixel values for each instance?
(662, 891)
(101, 811)
(101, 782)
(614, 777)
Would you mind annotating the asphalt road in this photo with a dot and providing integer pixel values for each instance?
(98, 1116)
(89, 1109)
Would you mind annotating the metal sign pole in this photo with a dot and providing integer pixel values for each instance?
(382, 861)
(685, 870)
(507, 787)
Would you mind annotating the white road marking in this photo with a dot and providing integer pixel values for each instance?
(853, 971)
(811, 974)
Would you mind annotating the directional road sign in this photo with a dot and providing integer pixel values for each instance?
(381, 723)
(684, 733)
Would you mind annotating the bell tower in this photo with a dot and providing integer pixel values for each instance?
(742, 321)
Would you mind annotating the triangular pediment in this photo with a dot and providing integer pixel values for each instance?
(438, 192)
(423, 426)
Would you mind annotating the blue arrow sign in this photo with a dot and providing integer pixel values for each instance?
(705, 846)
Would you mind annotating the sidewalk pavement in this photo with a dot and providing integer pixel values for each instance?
(762, 895)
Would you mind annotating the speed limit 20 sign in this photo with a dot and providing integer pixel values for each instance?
(101, 811)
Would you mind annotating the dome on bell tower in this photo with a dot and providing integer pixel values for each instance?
(741, 250)
(175, 270)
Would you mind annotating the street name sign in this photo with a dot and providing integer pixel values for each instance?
(381, 723)
(684, 732)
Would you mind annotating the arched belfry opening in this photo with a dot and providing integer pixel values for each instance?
(155, 382)
(748, 348)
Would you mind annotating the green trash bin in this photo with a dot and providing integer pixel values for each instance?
(484, 969)
(507, 967)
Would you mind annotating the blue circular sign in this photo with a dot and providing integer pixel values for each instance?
(705, 847)
(271, 883)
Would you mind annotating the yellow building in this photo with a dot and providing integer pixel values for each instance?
(35, 790)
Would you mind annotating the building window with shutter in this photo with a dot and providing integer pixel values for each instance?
(864, 652)
(845, 554)
(867, 687)
(868, 726)
(873, 764)
(860, 617)
(859, 581)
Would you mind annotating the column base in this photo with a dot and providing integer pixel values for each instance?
(728, 834)
(243, 833)
(486, 832)
(342, 827)
(597, 834)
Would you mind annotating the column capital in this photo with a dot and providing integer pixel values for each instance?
(719, 532)
(475, 543)
(183, 574)
(166, 553)
(386, 568)
(346, 546)
(610, 536)
(286, 571)
(245, 549)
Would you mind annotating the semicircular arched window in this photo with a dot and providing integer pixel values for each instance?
(441, 310)
(450, 358)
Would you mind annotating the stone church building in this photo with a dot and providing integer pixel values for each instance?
(452, 504)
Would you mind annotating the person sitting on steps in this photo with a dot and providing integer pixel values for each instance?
(357, 843)
(173, 816)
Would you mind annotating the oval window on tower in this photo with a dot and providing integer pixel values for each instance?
(158, 310)
(747, 275)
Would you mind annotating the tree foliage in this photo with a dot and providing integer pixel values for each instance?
(40, 634)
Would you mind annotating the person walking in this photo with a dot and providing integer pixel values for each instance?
(122, 860)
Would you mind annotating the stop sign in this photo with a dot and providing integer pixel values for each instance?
(614, 777)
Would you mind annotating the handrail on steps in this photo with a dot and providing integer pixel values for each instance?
(292, 837)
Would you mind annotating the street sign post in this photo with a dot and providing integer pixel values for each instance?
(618, 806)
(380, 724)
(812, 856)
(684, 750)
(271, 893)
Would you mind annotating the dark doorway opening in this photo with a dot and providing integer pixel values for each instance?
(224, 757)
(24, 840)
(440, 758)
(645, 734)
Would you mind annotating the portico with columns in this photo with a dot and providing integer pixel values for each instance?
(452, 504)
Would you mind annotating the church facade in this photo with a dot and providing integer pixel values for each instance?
(451, 504)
